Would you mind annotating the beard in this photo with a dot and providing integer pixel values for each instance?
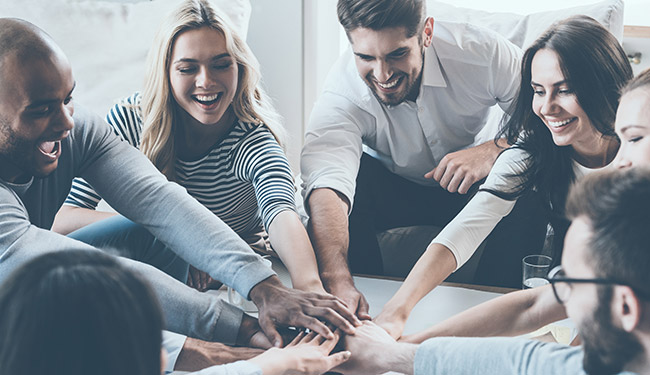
(411, 84)
(16, 153)
(607, 348)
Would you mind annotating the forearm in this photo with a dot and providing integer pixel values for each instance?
(403, 358)
(431, 269)
(512, 314)
(71, 218)
(197, 354)
(290, 240)
(328, 226)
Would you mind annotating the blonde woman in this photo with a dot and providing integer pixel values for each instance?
(205, 122)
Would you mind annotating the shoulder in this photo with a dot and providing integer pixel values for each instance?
(86, 122)
(505, 172)
(129, 105)
(253, 137)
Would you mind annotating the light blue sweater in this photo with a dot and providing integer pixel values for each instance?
(498, 356)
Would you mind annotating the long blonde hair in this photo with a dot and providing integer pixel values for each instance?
(159, 109)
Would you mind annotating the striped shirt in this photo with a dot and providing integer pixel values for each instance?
(244, 179)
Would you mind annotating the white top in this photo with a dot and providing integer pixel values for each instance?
(465, 233)
(467, 70)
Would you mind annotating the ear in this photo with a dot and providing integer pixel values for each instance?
(626, 307)
(427, 32)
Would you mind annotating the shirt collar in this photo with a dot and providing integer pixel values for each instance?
(432, 71)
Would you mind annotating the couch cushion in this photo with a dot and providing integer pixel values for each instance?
(522, 30)
(106, 41)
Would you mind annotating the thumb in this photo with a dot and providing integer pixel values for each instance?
(362, 310)
(271, 332)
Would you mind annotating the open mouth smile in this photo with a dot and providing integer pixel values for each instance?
(207, 100)
(559, 125)
(50, 149)
(389, 85)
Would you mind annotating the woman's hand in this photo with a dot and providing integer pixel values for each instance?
(392, 323)
(307, 354)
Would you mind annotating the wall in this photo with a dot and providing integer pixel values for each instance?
(275, 35)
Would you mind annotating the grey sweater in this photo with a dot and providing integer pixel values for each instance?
(135, 188)
(496, 355)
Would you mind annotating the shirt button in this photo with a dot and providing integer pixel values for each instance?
(420, 109)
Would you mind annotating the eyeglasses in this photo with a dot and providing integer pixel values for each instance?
(562, 285)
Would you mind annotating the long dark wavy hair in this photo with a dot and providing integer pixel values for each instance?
(596, 67)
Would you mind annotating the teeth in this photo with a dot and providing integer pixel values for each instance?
(559, 124)
(206, 98)
(388, 85)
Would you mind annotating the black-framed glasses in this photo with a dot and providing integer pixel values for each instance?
(562, 285)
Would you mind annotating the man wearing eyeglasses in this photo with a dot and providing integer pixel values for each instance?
(603, 284)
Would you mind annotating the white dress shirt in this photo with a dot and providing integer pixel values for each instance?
(467, 69)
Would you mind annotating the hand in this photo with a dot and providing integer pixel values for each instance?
(307, 354)
(200, 280)
(279, 305)
(459, 170)
(366, 343)
(391, 323)
(352, 297)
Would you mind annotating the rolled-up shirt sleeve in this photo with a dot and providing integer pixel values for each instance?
(333, 146)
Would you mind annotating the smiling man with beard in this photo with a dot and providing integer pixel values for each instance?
(392, 140)
(603, 283)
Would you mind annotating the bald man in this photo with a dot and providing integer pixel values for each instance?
(45, 142)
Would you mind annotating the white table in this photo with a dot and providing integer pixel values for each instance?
(442, 303)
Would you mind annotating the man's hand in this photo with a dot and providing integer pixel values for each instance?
(459, 170)
(281, 306)
(366, 343)
(201, 281)
(196, 355)
(351, 296)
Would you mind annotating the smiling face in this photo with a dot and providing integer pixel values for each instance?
(389, 62)
(633, 128)
(556, 104)
(35, 114)
(203, 75)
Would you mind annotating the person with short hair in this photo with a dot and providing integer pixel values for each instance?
(392, 140)
(602, 283)
(82, 312)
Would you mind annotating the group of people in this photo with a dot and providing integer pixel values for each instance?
(195, 169)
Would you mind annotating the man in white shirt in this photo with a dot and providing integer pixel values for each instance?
(402, 110)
